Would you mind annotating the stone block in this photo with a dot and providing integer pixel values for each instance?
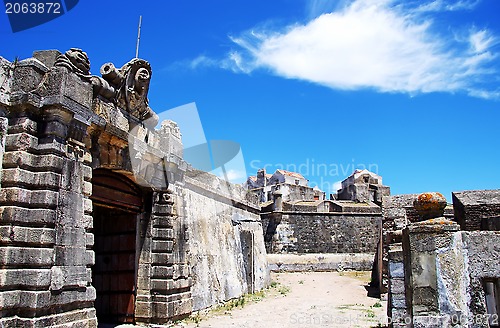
(22, 124)
(143, 310)
(85, 295)
(162, 246)
(162, 233)
(20, 177)
(72, 256)
(144, 270)
(28, 74)
(21, 141)
(30, 161)
(25, 235)
(144, 283)
(162, 272)
(89, 239)
(397, 286)
(69, 236)
(181, 270)
(87, 206)
(87, 221)
(86, 172)
(69, 276)
(87, 188)
(398, 301)
(161, 258)
(90, 258)
(47, 57)
(26, 256)
(14, 214)
(15, 278)
(162, 284)
(182, 307)
(28, 198)
(162, 209)
(396, 270)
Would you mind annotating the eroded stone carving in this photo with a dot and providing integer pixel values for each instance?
(75, 60)
(128, 86)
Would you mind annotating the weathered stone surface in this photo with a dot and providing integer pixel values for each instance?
(320, 262)
(27, 198)
(430, 205)
(26, 256)
(48, 180)
(69, 276)
(16, 278)
(322, 232)
(473, 208)
(219, 273)
(24, 235)
(32, 162)
(20, 215)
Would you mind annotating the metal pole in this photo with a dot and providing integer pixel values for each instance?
(138, 38)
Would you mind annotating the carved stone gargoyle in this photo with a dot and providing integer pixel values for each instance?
(75, 60)
(127, 87)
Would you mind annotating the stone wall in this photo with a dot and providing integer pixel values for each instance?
(398, 212)
(302, 232)
(226, 251)
(477, 209)
(76, 146)
(446, 270)
(45, 227)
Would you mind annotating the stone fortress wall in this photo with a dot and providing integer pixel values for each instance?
(100, 217)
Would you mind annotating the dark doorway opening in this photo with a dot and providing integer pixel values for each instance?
(117, 203)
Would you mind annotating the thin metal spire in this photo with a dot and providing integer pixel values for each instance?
(138, 38)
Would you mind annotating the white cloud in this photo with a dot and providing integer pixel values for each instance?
(376, 44)
(443, 5)
(202, 61)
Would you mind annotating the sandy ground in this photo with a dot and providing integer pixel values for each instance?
(309, 299)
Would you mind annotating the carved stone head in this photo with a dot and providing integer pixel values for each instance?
(75, 60)
(79, 59)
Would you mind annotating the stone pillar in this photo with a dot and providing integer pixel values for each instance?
(435, 272)
(45, 213)
(164, 282)
(396, 308)
(45, 249)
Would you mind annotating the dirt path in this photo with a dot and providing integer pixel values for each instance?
(312, 299)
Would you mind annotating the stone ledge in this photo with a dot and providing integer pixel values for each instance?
(28, 216)
(33, 162)
(320, 262)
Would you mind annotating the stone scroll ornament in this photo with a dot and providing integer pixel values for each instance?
(128, 86)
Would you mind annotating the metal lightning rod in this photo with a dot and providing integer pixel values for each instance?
(138, 37)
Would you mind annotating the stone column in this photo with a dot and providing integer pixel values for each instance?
(435, 273)
(164, 282)
(396, 308)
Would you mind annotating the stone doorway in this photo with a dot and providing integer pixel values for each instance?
(117, 204)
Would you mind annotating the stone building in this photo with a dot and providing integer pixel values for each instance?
(101, 219)
(291, 186)
(341, 233)
(363, 186)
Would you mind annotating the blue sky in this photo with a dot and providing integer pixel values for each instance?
(410, 89)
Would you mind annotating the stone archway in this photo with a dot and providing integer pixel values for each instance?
(117, 204)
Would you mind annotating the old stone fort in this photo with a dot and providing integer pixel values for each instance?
(103, 221)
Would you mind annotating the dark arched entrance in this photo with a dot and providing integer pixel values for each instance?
(117, 203)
